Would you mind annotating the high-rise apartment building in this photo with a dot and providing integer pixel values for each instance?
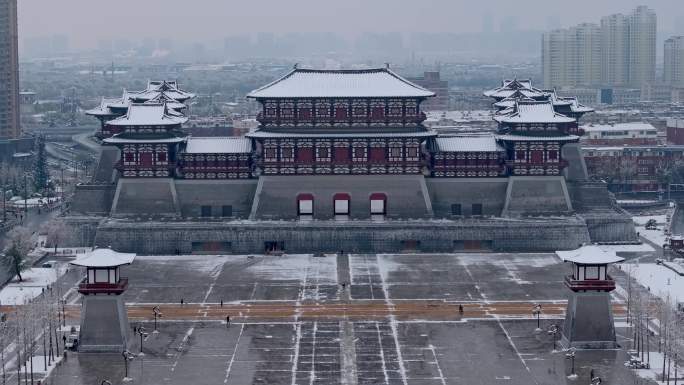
(571, 57)
(615, 50)
(642, 46)
(673, 74)
(618, 53)
(9, 71)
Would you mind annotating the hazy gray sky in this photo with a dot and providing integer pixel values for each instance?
(84, 21)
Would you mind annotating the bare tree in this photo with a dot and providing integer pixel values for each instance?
(56, 232)
(5, 333)
(19, 245)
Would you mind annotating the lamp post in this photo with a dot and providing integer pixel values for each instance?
(571, 356)
(157, 314)
(63, 301)
(25, 197)
(553, 332)
(127, 356)
(536, 311)
(143, 334)
(4, 202)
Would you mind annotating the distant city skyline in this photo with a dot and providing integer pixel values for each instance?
(83, 23)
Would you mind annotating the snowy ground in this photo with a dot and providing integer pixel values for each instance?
(641, 220)
(655, 371)
(35, 280)
(34, 202)
(660, 280)
(378, 350)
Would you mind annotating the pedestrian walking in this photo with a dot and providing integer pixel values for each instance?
(181, 301)
(460, 309)
(221, 303)
(227, 320)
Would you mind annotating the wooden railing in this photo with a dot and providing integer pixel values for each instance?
(589, 285)
(103, 288)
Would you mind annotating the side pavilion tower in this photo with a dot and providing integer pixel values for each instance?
(104, 322)
(589, 317)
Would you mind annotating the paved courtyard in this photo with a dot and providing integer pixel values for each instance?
(392, 346)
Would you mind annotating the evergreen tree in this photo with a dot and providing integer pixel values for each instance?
(40, 172)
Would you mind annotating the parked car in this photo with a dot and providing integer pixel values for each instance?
(651, 225)
(49, 264)
(72, 342)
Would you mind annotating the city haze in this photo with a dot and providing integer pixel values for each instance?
(84, 22)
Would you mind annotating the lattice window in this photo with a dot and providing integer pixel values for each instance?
(304, 111)
(411, 108)
(322, 154)
(270, 109)
(129, 155)
(287, 110)
(323, 109)
(395, 108)
(396, 152)
(270, 154)
(359, 152)
(287, 153)
(359, 109)
(377, 108)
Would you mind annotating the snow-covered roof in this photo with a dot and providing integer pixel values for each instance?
(154, 87)
(575, 105)
(537, 138)
(218, 145)
(634, 126)
(310, 83)
(590, 255)
(148, 114)
(123, 139)
(534, 112)
(341, 134)
(171, 103)
(104, 108)
(104, 258)
(511, 87)
(511, 100)
(483, 143)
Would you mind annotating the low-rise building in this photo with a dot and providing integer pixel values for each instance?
(634, 133)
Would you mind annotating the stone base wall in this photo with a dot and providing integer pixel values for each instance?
(93, 198)
(536, 195)
(354, 236)
(610, 227)
(81, 230)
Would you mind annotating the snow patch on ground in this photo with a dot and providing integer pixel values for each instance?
(300, 267)
(655, 371)
(206, 264)
(642, 219)
(627, 248)
(523, 260)
(656, 236)
(661, 280)
(35, 280)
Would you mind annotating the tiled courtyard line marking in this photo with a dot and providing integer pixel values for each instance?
(393, 322)
(439, 368)
(232, 357)
(382, 353)
(348, 351)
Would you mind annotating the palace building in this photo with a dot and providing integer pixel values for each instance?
(341, 160)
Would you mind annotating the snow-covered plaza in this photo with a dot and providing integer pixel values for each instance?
(348, 319)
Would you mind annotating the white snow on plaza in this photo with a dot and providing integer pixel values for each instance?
(660, 280)
(302, 267)
(34, 281)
